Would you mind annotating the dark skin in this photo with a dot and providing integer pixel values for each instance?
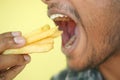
(98, 42)
(11, 65)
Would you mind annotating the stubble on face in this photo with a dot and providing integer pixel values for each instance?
(101, 22)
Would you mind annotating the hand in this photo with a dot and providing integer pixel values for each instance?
(11, 65)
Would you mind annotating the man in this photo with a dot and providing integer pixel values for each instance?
(11, 65)
(90, 39)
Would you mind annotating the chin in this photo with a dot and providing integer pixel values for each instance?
(76, 65)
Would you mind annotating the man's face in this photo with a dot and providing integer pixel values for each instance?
(91, 30)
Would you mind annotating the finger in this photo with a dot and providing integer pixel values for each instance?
(9, 42)
(10, 34)
(7, 61)
(12, 73)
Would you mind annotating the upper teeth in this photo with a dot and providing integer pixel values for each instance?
(56, 16)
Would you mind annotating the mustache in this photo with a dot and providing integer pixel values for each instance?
(66, 8)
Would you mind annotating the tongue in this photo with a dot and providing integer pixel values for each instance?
(68, 28)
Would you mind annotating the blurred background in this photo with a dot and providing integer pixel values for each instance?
(25, 16)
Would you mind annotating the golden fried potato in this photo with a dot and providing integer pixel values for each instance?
(39, 40)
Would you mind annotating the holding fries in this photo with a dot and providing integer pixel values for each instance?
(40, 40)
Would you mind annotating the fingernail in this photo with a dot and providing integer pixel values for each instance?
(27, 58)
(19, 40)
(16, 33)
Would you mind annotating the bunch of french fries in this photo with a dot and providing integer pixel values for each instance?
(38, 41)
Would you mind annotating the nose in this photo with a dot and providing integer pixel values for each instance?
(46, 1)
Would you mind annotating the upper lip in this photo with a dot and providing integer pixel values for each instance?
(53, 11)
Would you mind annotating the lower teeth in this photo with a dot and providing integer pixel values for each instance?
(70, 42)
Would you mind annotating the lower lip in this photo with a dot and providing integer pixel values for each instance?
(68, 51)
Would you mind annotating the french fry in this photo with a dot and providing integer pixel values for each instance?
(57, 33)
(30, 49)
(42, 35)
(38, 41)
(38, 31)
(36, 47)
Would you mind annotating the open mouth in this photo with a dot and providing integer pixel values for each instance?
(68, 26)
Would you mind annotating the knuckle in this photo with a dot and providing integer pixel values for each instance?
(19, 59)
(6, 34)
(2, 76)
(7, 42)
(14, 71)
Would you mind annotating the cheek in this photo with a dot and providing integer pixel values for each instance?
(98, 21)
(103, 35)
